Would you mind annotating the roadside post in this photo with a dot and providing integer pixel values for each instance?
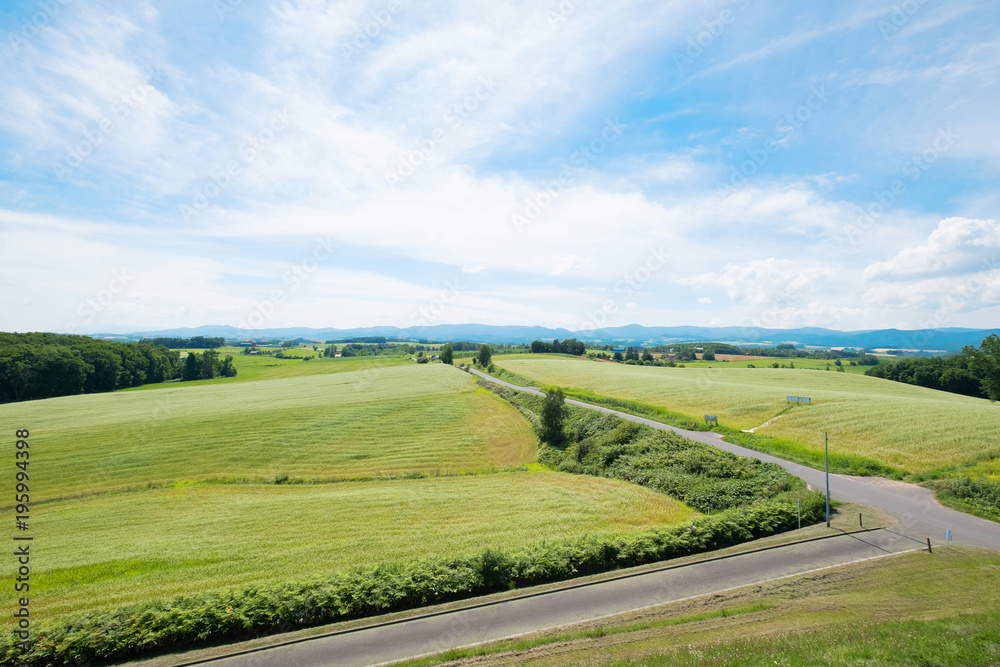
(947, 536)
(798, 503)
(826, 448)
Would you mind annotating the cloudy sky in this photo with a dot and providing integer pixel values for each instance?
(563, 163)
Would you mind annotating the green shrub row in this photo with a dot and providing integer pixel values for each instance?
(242, 613)
(706, 478)
(980, 494)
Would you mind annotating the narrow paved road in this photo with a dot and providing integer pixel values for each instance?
(920, 517)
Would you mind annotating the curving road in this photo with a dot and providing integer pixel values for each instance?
(919, 515)
(920, 518)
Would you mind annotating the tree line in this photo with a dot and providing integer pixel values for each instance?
(196, 342)
(45, 365)
(973, 372)
(568, 346)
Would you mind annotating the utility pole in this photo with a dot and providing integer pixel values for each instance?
(826, 447)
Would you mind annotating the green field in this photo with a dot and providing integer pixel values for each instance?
(907, 427)
(393, 420)
(149, 494)
(800, 364)
(122, 548)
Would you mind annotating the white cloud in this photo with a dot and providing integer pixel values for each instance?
(705, 300)
(765, 281)
(473, 269)
(957, 246)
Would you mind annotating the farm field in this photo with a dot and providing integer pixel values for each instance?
(737, 362)
(907, 427)
(426, 419)
(122, 548)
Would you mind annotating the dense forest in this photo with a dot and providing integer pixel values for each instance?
(44, 365)
(974, 372)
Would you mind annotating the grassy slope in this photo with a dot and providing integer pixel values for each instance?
(128, 547)
(385, 421)
(911, 609)
(907, 427)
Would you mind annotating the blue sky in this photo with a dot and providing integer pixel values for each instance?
(565, 163)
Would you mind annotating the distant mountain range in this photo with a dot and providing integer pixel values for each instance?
(949, 339)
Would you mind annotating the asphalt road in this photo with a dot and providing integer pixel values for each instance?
(919, 515)
(475, 625)
(920, 518)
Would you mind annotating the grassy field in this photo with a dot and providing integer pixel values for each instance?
(913, 609)
(148, 494)
(426, 419)
(121, 548)
(815, 364)
(907, 427)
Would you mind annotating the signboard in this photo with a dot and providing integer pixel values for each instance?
(947, 534)
(799, 399)
(709, 419)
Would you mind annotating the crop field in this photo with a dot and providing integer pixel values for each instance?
(907, 427)
(123, 548)
(768, 362)
(394, 420)
(140, 495)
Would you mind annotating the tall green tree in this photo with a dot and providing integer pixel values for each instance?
(986, 360)
(554, 413)
(208, 364)
(447, 354)
(192, 367)
(485, 356)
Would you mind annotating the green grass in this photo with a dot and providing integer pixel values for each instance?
(428, 419)
(111, 550)
(901, 426)
(914, 609)
(803, 364)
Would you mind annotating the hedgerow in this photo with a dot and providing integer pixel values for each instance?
(241, 613)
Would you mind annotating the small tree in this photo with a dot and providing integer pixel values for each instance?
(646, 356)
(447, 354)
(485, 356)
(554, 412)
(192, 368)
(208, 364)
